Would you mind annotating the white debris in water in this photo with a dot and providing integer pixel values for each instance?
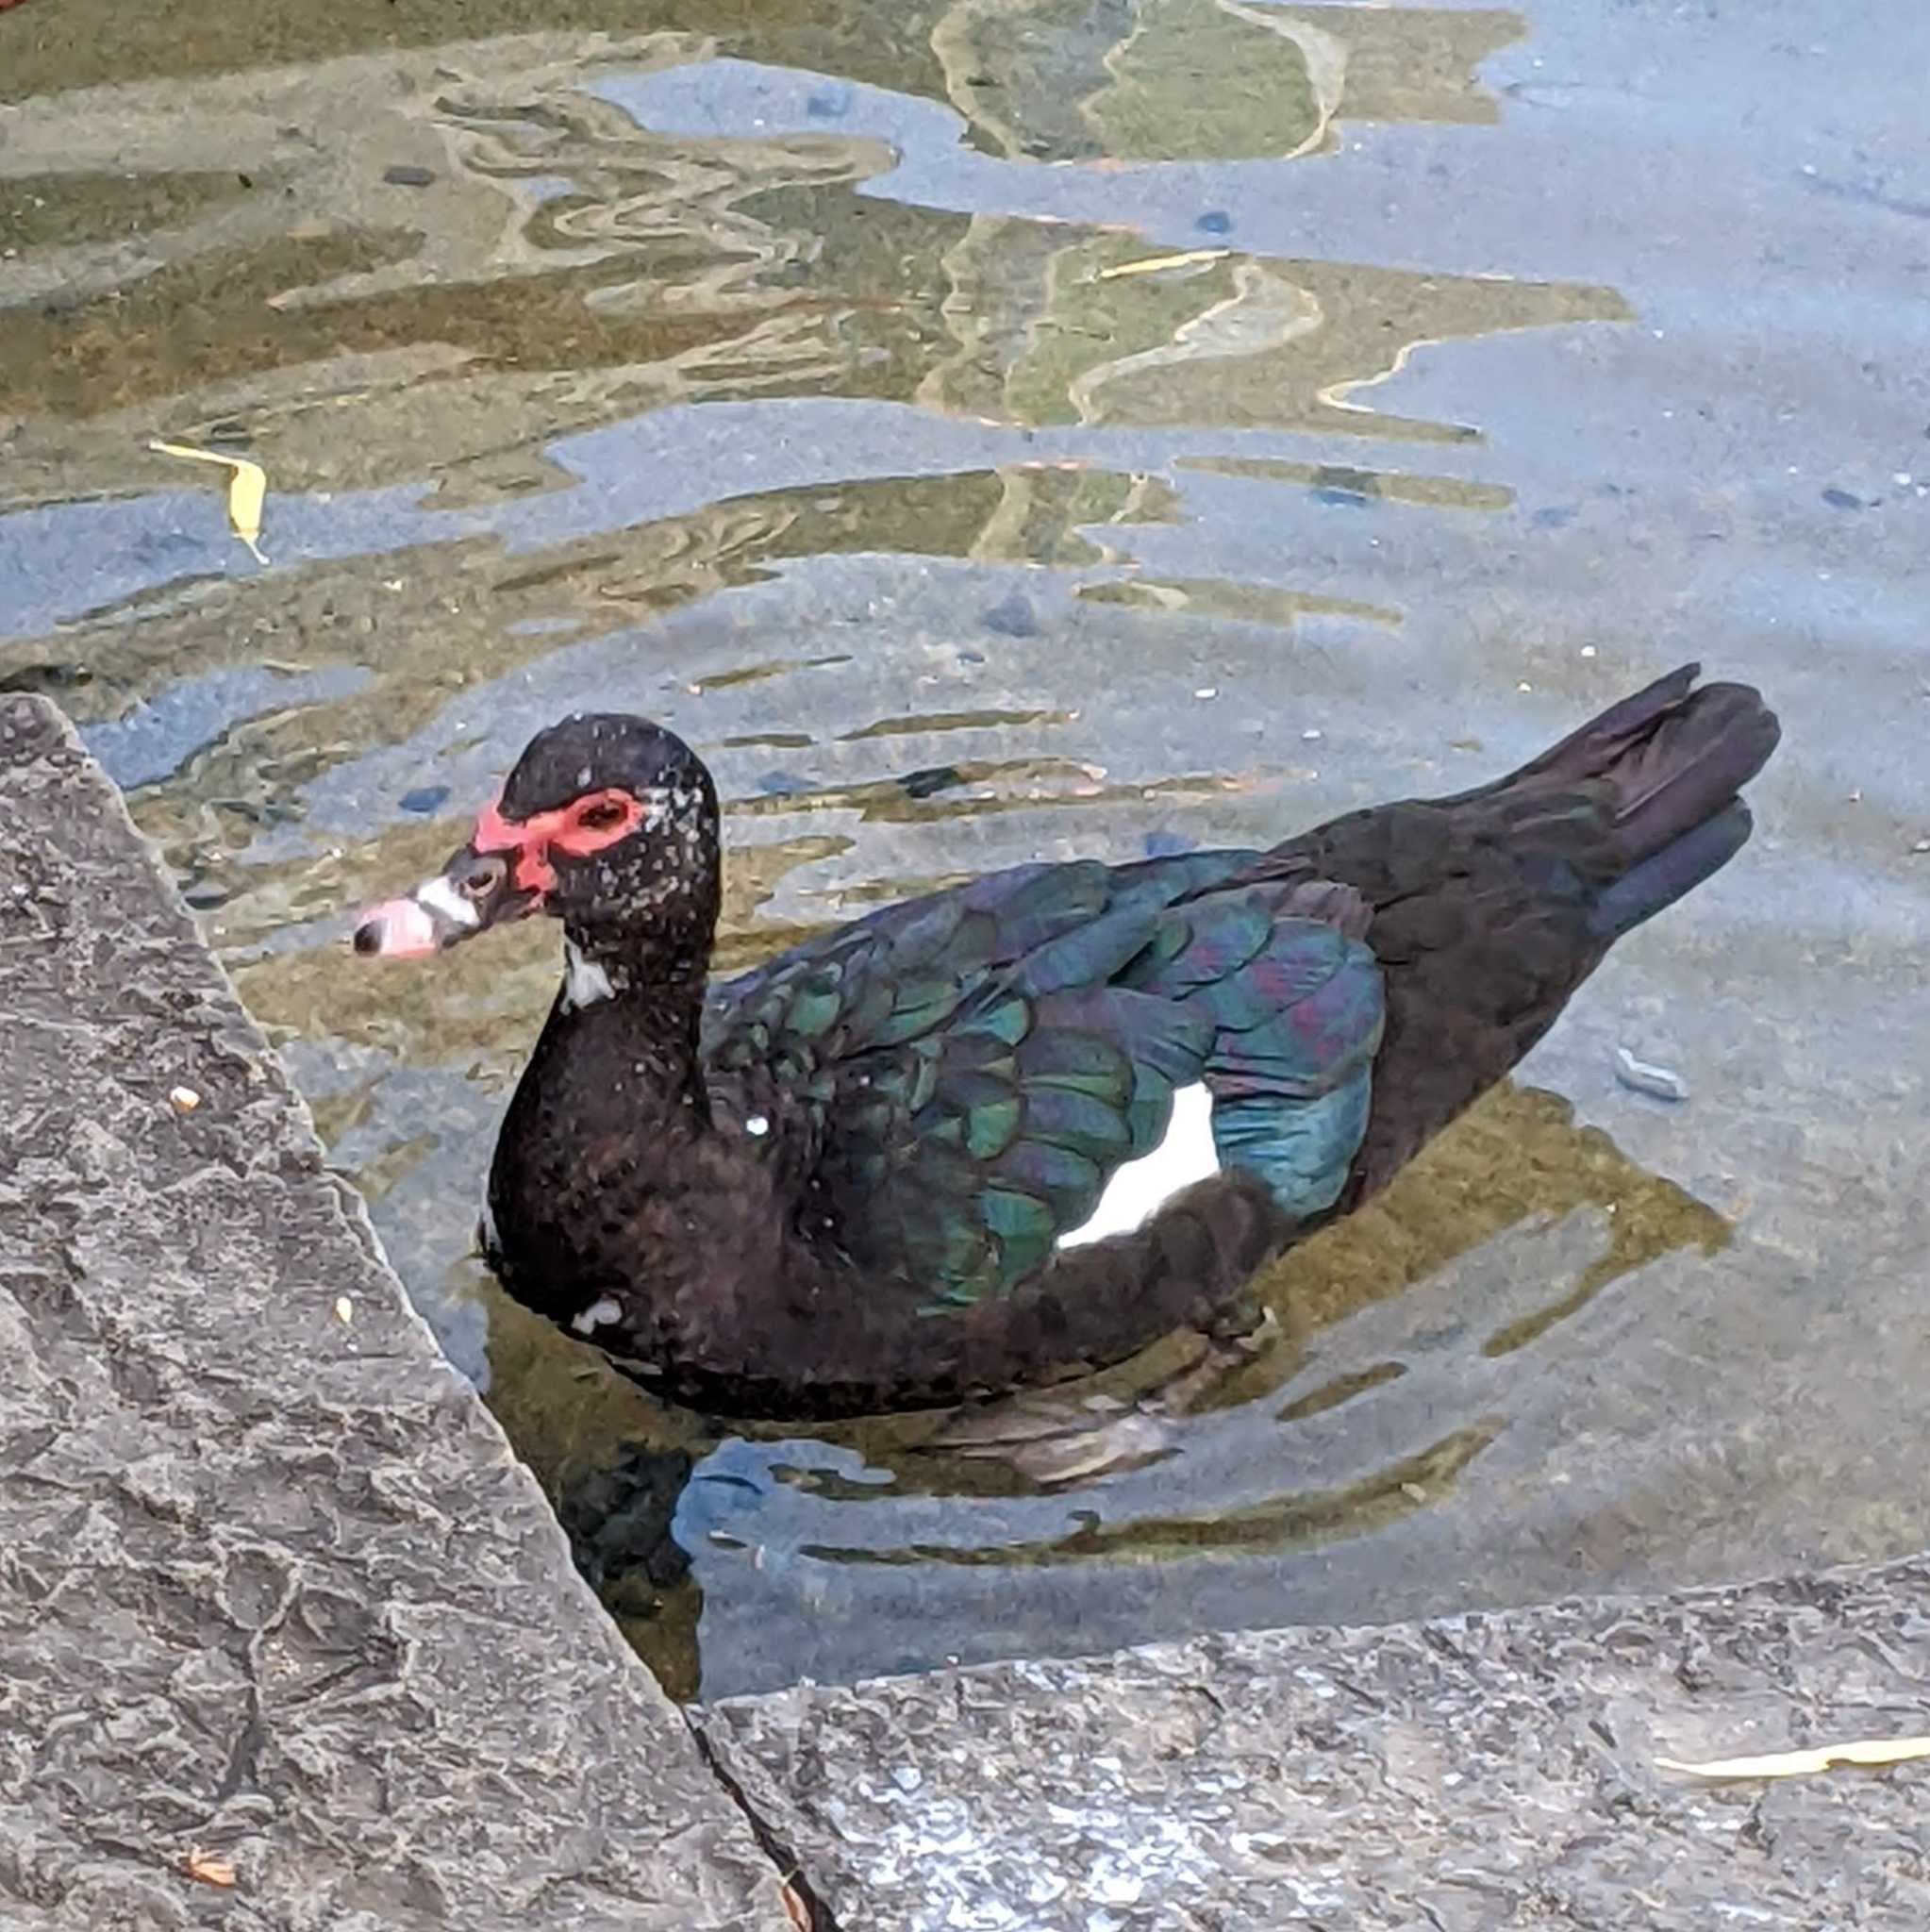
(1207, 690)
(757, 1123)
(1646, 1079)
(345, 1309)
(183, 1099)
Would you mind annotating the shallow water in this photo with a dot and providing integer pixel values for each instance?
(1010, 429)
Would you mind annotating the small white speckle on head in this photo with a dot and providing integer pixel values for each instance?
(603, 1310)
(583, 777)
(757, 1123)
(439, 895)
(585, 981)
(1137, 1191)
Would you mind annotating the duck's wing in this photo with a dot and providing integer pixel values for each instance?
(951, 1085)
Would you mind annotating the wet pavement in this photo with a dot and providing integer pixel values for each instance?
(1007, 430)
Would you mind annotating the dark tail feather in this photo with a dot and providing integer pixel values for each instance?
(1675, 759)
(1587, 752)
(1687, 767)
(1662, 879)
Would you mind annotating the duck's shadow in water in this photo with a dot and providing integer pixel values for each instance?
(635, 1481)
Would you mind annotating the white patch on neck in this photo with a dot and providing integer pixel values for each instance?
(604, 1308)
(486, 1226)
(584, 981)
(1137, 1191)
(439, 895)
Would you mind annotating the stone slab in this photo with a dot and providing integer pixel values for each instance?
(1473, 1772)
(274, 1595)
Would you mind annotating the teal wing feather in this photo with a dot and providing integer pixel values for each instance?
(954, 1080)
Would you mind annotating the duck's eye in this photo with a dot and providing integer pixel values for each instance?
(599, 815)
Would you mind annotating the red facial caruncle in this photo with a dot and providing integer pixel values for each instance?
(506, 871)
(585, 825)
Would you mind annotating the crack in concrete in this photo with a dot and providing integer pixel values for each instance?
(817, 1916)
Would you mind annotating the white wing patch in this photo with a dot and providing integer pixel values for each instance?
(1138, 1190)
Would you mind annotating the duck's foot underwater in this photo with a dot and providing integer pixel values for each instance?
(1055, 1436)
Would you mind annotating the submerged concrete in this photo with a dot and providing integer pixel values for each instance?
(1459, 1775)
(288, 1637)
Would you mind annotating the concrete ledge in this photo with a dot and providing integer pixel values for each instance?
(271, 1585)
(1462, 1774)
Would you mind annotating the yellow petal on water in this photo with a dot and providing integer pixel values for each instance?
(1808, 1763)
(247, 489)
(1152, 265)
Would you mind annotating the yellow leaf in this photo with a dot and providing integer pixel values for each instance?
(1152, 265)
(1808, 1763)
(247, 489)
(209, 1868)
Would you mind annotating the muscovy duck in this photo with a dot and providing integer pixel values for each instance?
(1022, 1129)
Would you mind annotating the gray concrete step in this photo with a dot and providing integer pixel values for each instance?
(274, 1595)
(1461, 1775)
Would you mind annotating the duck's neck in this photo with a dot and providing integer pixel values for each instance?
(609, 1113)
(635, 1020)
(670, 968)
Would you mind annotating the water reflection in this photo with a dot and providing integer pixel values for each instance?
(563, 266)
(1098, 328)
(1205, 79)
(1019, 428)
(1038, 79)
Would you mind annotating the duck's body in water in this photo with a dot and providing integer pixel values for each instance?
(1008, 1132)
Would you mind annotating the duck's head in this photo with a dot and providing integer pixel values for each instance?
(609, 823)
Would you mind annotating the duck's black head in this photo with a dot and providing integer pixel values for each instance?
(609, 823)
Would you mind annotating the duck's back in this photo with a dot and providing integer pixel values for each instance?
(902, 1039)
(956, 1087)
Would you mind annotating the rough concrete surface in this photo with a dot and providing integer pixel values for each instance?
(274, 1595)
(1480, 1772)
